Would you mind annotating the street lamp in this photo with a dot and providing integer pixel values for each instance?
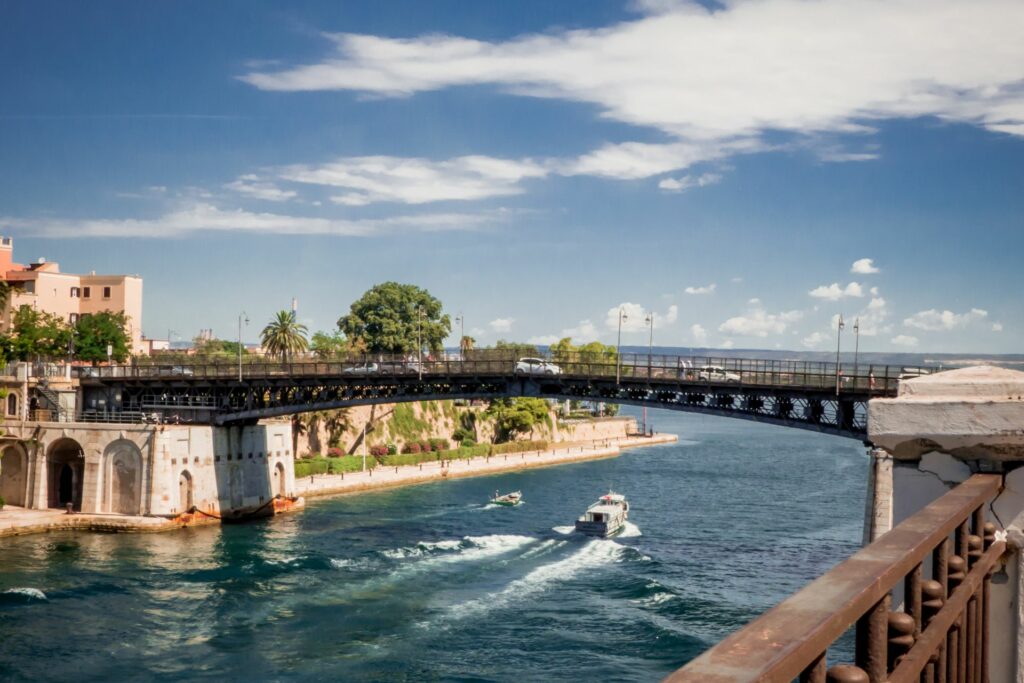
(419, 340)
(650, 341)
(856, 345)
(839, 337)
(242, 316)
(618, 343)
(461, 320)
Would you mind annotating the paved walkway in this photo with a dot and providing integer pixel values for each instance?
(15, 521)
(389, 477)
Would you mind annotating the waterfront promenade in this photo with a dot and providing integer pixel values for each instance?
(390, 477)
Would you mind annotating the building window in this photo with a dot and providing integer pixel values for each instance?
(75, 292)
(86, 292)
(73, 318)
(106, 292)
(12, 405)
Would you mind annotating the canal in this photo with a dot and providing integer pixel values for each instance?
(431, 583)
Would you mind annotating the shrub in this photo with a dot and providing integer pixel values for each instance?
(335, 452)
(518, 447)
(425, 446)
(439, 445)
(378, 450)
(468, 442)
(392, 449)
(412, 447)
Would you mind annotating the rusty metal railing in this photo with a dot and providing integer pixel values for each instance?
(943, 556)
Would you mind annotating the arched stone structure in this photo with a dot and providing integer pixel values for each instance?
(65, 474)
(185, 492)
(122, 478)
(14, 475)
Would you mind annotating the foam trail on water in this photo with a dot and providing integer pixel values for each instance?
(563, 529)
(28, 592)
(630, 530)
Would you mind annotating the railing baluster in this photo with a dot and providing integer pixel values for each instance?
(815, 672)
(912, 597)
(871, 634)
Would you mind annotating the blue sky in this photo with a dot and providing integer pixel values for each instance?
(744, 170)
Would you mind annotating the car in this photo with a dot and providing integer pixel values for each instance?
(716, 373)
(536, 366)
(88, 371)
(182, 371)
(364, 369)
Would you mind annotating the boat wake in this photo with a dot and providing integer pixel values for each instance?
(22, 595)
(563, 529)
(630, 530)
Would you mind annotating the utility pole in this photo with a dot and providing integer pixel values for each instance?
(419, 340)
(240, 317)
(618, 343)
(839, 338)
(650, 342)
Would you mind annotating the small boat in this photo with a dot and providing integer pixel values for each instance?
(606, 517)
(508, 500)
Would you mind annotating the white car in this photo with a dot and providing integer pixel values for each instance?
(716, 373)
(367, 369)
(536, 366)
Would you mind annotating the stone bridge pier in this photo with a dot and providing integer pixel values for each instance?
(159, 470)
(939, 430)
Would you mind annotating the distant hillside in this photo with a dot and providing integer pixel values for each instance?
(1014, 360)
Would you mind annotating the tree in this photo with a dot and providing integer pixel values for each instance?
(94, 333)
(217, 349)
(329, 344)
(513, 416)
(466, 344)
(397, 318)
(518, 349)
(38, 334)
(284, 336)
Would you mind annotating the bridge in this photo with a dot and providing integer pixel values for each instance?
(825, 397)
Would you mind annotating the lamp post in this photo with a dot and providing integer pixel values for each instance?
(650, 341)
(419, 340)
(242, 316)
(461, 320)
(618, 343)
(856, 345)
(839, 337)
(364, 447)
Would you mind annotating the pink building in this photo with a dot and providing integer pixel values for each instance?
(42, 286)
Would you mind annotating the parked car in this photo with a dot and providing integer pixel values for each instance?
(88, 371)
(536, 366)
(364, 369)
(716, 373)
(182, 371)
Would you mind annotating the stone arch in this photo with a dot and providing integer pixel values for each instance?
(186, 496)
(12, 404)
(278, 480)
(13, 475)
(65, 473)
(122, 478)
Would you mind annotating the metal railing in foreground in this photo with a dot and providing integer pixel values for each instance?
(943, 556)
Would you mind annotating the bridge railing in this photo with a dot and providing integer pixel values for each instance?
(654, 368)
(942, 557)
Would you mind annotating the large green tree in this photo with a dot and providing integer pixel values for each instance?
(330, 345)
(396, 318)
(37, 334)
(94, 333)
(284, 336)
(514, 416)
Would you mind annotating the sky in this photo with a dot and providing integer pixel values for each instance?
(742, 172)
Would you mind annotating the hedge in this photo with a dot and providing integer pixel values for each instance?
(304, 468)
(518, 447)
(318, 465)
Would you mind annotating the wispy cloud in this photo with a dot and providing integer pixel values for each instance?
(197, 218)
(501, 324)
(635, 316)
(252, 186)
(688, 181)
(757, 322)
(934, 320)
(726, 73)
(705, 289)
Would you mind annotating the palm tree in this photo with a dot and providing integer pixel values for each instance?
(284, 336)
(466, 344)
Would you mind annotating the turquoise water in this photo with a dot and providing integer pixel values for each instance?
(430, 583)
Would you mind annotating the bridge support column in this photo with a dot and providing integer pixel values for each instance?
(878, 502)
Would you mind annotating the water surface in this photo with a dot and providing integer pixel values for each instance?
(431, 583)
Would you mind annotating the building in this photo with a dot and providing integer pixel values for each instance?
(42, 286)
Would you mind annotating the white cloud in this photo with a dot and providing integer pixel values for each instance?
(635, 317)
(699, 334)
(864, 266)
(201, 217)
(835, 291)
(727, 344)
(736, 280)
(814, 340)
(759, 323)
(501, 324)
(687, 181)
(997, 327)
(872, 320)
(417, 181)
(251, 186)
(722, 74)
(706, 289)
(904, 340)
(584, 333)
(934, 320)
(754, 302)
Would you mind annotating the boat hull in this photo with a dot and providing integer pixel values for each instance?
(599, 529)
